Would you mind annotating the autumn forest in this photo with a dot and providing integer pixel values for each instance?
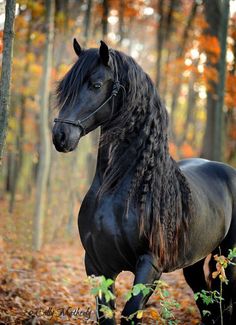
(188, 47)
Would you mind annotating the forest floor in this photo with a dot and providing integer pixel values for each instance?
(50, 287)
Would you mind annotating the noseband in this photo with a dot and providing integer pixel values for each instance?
(114, 93)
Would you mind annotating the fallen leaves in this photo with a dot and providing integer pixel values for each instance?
(51, 287)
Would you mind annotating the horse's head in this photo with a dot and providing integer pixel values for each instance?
(85, 96)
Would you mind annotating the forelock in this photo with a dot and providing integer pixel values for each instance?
(68, 88)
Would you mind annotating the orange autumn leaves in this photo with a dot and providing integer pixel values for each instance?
(210, 45)
(38, 286)
(184, 151)
(230, 95)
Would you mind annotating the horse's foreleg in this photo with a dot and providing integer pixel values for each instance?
(145, 274)
(104, 309)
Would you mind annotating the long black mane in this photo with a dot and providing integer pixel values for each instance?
(158, 187)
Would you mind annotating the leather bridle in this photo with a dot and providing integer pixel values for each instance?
(80, 122)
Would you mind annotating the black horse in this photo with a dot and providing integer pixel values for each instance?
(143, 212)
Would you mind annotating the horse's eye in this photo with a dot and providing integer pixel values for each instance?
(97, 85)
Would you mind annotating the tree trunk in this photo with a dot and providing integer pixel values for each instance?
(217, 18)
(87, 19)
(219, 115)
(230, 120)
(105, 6)
(44, 151)
(160, 39)
(169, 28)
(191, 101)
(174, 4)
(121, 20)
(21, 130)
(8, 35)
(180, 54)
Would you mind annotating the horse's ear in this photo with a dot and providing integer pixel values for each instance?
(77, 47)
(104, 53)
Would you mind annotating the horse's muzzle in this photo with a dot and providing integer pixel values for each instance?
(65, 138)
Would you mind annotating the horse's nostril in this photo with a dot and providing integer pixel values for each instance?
(63, 137)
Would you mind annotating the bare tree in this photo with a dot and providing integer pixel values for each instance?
(219, 127)
(121, 20)
(19, 154)
(87, 19)
(180, 53)
(105, 13)
(217, 13)
(44, 153)
(8, 35)
(160, 39)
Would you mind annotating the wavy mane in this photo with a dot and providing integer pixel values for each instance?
(158, 186)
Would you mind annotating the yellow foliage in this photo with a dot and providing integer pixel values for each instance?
(12, 128)
(60, 19)
(139, 314)
(18, 63)
(62, 70)
(36, 69)
(20, 23)
(201, 115)
(26, 91)
(12, 123)
(37, 9)
(30, 57)
(38, 38)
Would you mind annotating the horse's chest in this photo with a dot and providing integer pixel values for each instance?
(109, 234)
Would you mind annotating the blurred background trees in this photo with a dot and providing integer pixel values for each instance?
(184, 45)
(6, 72)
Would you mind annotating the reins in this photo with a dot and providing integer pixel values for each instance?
(115, 90)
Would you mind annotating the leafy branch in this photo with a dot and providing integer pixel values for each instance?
(210, 297)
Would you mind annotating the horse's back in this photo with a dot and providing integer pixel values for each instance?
(213, 187)
(209, 173)
(211, 180)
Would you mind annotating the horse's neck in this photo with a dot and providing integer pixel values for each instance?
(102, 160)
(126, 154)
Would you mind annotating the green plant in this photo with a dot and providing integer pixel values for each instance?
(210, 297)
(232, 255)
(137, 289)
(167, 304)
(101, 287)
